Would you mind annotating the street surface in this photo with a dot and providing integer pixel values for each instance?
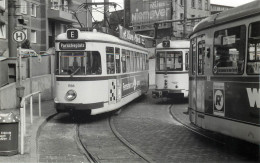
(146, 124)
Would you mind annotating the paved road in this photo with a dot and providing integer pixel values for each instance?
(147, 124)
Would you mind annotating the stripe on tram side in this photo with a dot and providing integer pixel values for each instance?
(170, 72)
(247, 79)
(94, 78)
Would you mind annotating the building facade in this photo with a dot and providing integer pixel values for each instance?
(219, 8)
(3, 26)
(43, 20)
(144, 13)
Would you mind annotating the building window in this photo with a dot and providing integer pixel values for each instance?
(181, 3)
(65, 6)
(193, 3)
(55, 4)
(33, 36)
(2, 31)
(181, 15)
(193, 21)
(200, 4)
(23, 7)
(206, 5)
(33, 10)
(2, 5)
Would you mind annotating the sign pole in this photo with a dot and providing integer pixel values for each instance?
(19, 36)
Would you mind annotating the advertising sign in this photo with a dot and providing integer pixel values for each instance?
(130, 36)
(130, 85)
(150, 11)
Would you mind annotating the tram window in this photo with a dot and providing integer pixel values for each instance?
(229, 50)
(161, 61)
(110, 60)
(118, 67)
(123, 60)
(187, 61)
(128, 61)
(253, 64)
(132, 58)
(141, 61)
(80, 63)
(201, 57)
(174, 61)
(146, 62)
(194, 54)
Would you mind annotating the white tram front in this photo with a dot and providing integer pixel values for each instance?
(98, 72)
(171, 74)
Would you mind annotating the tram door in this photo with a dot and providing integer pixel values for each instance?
(197, 81)
(200, 82)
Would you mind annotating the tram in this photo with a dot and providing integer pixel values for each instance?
(97, 72)
(225, 71)
(171, 75)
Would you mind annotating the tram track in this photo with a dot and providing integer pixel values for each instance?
(93, 157)
(195, 129)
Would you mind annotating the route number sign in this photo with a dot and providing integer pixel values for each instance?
(19, 36)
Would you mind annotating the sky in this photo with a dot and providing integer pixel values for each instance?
(234, 3)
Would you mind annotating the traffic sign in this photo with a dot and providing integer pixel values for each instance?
(19, 36)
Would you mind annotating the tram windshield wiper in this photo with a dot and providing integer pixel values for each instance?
(71, 75)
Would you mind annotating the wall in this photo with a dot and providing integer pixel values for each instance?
(40, 83)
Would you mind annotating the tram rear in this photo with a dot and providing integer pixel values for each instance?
(171, 75)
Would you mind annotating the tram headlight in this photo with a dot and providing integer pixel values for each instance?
(71, 95)
(165, 84)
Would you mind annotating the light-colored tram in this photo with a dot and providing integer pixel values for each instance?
(171, 72)
(225, 71)
(98, 72)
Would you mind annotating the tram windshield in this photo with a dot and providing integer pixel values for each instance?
(253, 64)
(79, 63)
(169, 61)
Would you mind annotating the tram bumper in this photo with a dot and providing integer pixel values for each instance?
(66, 107)
(167, 93)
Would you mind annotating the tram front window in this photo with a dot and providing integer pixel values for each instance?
(253, 64)
(80, 63)
(170, 61)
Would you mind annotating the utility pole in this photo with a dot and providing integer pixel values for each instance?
(185, 20)
(12, 23)
(106, 11)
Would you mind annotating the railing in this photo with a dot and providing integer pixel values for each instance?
(23, 115)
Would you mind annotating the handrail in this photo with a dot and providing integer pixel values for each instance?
(23, 116)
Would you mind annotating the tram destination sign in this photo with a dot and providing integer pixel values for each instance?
(72, 45)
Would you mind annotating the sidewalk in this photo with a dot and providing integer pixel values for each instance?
(30, 150)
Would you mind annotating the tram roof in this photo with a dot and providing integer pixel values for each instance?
(240, 12)
(176, 44)
(94, 36)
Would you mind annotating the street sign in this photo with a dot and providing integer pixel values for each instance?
(19, 36)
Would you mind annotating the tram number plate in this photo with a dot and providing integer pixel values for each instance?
(71, 85)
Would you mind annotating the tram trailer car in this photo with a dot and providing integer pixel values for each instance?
(224, 73)
(98, 72)
(171, 75)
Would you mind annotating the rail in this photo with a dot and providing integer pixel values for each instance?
(23, 115)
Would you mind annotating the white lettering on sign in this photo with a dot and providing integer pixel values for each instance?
(72, 34)
(253, 97)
